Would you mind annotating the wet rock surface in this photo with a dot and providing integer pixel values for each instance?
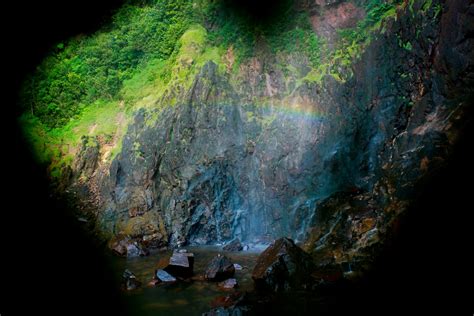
(127, 247)
(228, 284)
(237, 267)
(180, 265)
(186, 296)
(228, 301)
(163, 276)
(331, 164)
(130, 281)
(283, 266)
(229, 311)
(234, 245)
(220, 268)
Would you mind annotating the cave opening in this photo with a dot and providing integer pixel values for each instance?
(341, 127)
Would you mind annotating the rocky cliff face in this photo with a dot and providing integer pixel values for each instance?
(331, 164)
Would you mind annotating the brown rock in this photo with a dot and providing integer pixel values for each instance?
(364, 225)
(283, 266)
(226, 301)
(154, 283)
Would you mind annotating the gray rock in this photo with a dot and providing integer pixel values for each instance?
(130, 281)
(221, 165)
(164, 276)
(127, 247)
(181, 265)
(133, 250)
(228, 284)
(220, 268)
(234, 245)
(237, 266)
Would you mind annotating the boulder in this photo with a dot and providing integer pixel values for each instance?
(130, 281)
(118, 244)
(220, 268)
(237, 266)
(134, 249)
(234, 245)
(234, 304)
(163, 276)
(181, 265)
(283, 266)
(124, 246)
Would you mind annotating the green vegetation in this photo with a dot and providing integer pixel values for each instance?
(87, 69)
(299, 39)
(289, 31)
(67, 97)
(57, 146)
(149, 56)
(351, 43)
(160, 78)
(191, 53)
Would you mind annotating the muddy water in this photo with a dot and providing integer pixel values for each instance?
(183, 298)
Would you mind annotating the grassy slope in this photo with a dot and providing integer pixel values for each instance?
(142, 74)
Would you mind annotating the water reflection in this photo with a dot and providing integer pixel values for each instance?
(184, 297)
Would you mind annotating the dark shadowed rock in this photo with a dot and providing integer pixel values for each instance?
(87, 158)
(283, 266)
(234, 245)
(234, 304)
(181, 265)
(130, 281)
(227, 300)
(119, 246)
(219, 269)
(230, 311)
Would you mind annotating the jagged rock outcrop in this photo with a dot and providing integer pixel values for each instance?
(234, 245)
(180, 265)
(219, 269)
(126, 247)
(130, 281)
(87, 159)
(283, 266)
(329, 163)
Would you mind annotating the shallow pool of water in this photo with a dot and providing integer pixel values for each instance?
(183, 298)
